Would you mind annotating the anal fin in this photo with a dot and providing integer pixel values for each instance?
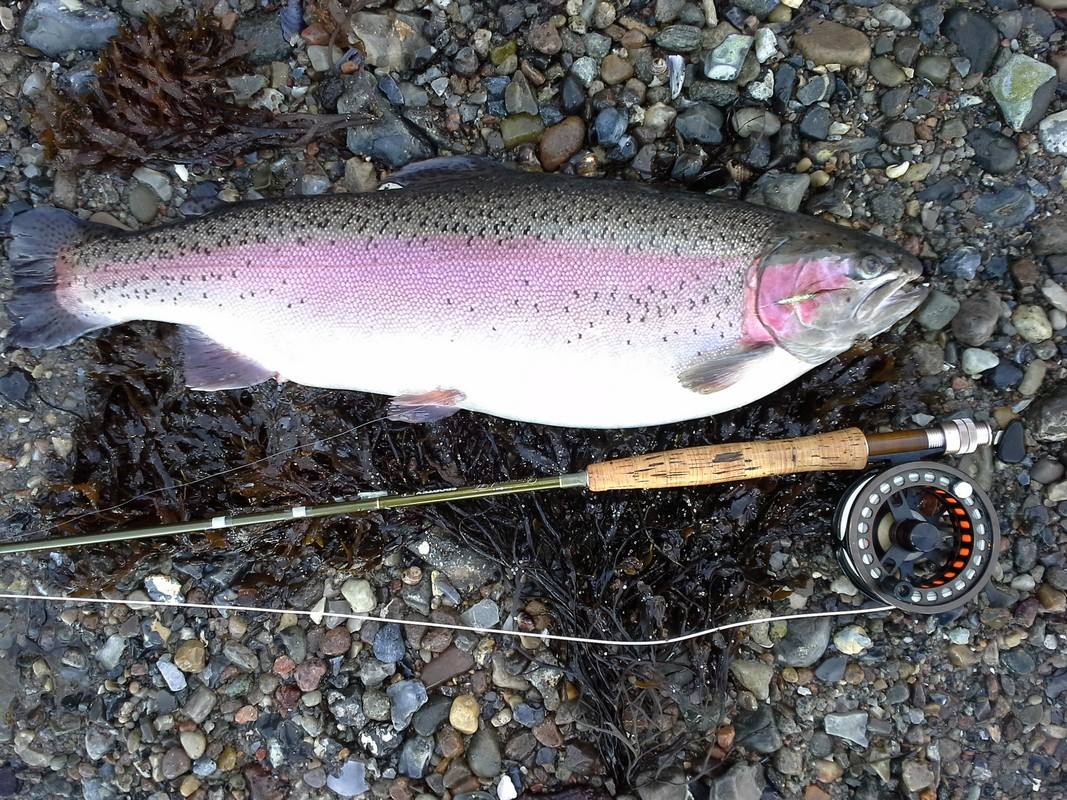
(719, 372)
(425, 406)
(210, 366)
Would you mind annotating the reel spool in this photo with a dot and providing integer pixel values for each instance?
(921, 536)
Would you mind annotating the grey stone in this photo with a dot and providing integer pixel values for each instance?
(389, 139)
(263, 35)
(372, 671)
(241, 656)
(724, 62)
(465, 569)
(757, 730)
(347, 709)
(815, 124)
(1007, 207)
(974, 35)
(144, 203)
(98, 742)
(483, 753)
(1053, 133)
(916, 775)
(851, 726)
(389, 643)
(173, 676)
(359, 594)
(754, 676)
(175, 763)
(886, 72)
(784, 191)
(804, 643)
(432, 715)
(406, 697)
(391, 39)
(994, 153)
(55, 27)
(415, 756)
(937, 311)
(670, 784)
(1023, 88)
(934, 69)
(900, 133)
(816, 90)
(111, 653)
(679, 38)
(977, 318)
(976, 360)
(701, 123)
(519, 98)
(199, 704)
(742, 782)
(1018, 660)
(376, 705)
(350, 780)
(483, 614)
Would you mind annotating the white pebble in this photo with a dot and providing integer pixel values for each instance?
(505, 790)
(897, 170)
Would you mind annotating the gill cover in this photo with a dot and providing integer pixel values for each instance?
(820, 290)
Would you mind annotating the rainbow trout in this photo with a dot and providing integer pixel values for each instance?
(565, 301)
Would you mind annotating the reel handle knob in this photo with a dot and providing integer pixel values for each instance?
(725, 463)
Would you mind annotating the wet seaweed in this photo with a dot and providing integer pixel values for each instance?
(161, 94)
(625, 565)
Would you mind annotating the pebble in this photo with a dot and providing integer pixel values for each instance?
(935, 69)
(389, 643)
(143, 202)
(994, 153)
(741, 782)
(815, 90)
(357, 592)
(975, 37)
(886, 72)
(852, 640)
(1053, 132)
(1023, 88)
(98, 743)
(976, 361)
(826, 42)
(519, 98)
(172, 675)
(784, 192)
(175, 763)
(391, 41)
(415, 756)
(610, 125)
(724, 62)
(194, 743)
(977, 318)
(111, 653)
(1032, 323)
(350, 780)
(804, 643)
(679, 38)
(200, 704)
(484, 755)
(561, 141)
(405, 698)
(483, 614)
(916, 775)
(937, 311)
(55, 27)
(701, 123)
(464, 714)
(851, 726)
(615, 70)
(754, 676)
(815, 124)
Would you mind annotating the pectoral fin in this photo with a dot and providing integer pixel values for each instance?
(722, 371)
(210, 366)
(425, 406)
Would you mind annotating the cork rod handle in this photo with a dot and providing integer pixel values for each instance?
(724, 463)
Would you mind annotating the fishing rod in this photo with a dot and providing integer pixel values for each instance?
(919, 535)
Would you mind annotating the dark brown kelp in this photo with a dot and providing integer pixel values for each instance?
(161, 94)
(629, 565)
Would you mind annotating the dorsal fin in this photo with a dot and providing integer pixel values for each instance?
(440, 172)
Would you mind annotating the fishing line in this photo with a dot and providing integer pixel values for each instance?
(543, 636)
(212, 476)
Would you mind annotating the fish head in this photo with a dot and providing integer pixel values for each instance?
(822, 288)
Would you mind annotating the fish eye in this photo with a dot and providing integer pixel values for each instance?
(871, 266)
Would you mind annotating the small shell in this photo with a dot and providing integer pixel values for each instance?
(741, 173)
(659, 67)
(897, 170)
(676, 68)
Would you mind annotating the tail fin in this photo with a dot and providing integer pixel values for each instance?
(38, 317)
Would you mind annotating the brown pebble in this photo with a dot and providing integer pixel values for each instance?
(283, 666)
(1051, 599)
(449, 742)
(287, 697)
(336, 641)
(1025, 271)
(246, 714)
(315, 34)
(309, 673)
(561, 141)
(547, 733)
(813, 792)
(614, 69)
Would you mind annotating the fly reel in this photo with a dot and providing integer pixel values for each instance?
(921, 536)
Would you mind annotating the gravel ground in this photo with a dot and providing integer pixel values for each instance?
(937, 125)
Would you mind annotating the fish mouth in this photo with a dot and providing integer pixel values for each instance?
(890, 301)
